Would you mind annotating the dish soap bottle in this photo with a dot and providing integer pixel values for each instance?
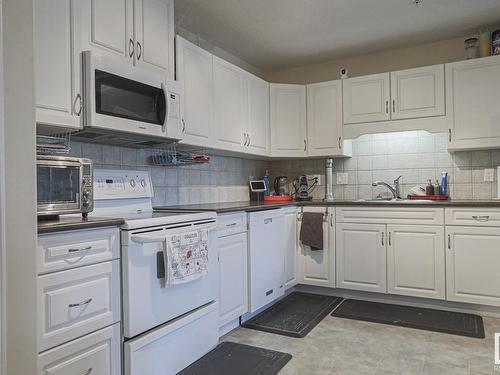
(444, 183)
(429, 189)
(437, 188)
(267, 181)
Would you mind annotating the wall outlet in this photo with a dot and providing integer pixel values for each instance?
(342, 178)
(489, 175)
(312, 177)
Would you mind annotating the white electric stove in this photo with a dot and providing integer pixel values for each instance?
(165, 327)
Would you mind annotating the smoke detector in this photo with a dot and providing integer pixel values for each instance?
(417, 3)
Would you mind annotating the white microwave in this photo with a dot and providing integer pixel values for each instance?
(122, 98)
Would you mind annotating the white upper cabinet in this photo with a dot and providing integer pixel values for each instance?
(473, 97)
(417, 92)
(108, 27)
(324, 120)
(416, 261)
(366, 99)
(258, 116)
(288, 120)
(230, 102)
(194, 71)
(154, 35)
(57, 64)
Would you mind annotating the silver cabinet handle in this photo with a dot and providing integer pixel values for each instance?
(449, 242)
(331, 219)
(130, 48)
(269, 220)
(183, 126)
(449, 135)
(231, 224)
(77, 249)
(386, 106)
(244, 139)
(78, 99)
(340, 143)
(249, 139)
(393, 106)
(139, 51)
(482, 219)
(390, 242)
(305, 145)
(88, 372)
(382, 238)
(83, 303)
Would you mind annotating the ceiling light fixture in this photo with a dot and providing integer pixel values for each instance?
(417, 3)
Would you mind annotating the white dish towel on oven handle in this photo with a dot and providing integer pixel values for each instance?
(185, 255)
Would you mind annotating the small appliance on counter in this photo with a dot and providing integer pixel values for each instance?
(64, 186)
(257, 189)
(302, 189)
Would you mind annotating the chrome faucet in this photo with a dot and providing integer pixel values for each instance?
(396, 190)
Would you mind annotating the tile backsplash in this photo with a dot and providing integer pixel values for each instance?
(224, 179)
(416, 155)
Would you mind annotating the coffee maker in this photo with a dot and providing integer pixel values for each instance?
(302, 189)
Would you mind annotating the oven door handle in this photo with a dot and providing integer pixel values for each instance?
(142, 239)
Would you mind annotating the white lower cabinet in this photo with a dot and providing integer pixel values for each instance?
(97, 353)
(317, 267)
(291, 261)
(361, 257)
(472, 259)
(416, 261)
(233, 288)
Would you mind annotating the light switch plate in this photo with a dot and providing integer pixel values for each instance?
(342, 178)
(489, 175)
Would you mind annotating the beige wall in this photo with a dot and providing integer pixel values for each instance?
(20, 185)
(383, 61)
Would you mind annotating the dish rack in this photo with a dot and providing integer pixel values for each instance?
(170, 156)
(54, 144)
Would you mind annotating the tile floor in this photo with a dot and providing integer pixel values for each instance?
(341, 346)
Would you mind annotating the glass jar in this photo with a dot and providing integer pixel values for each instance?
(471, 48)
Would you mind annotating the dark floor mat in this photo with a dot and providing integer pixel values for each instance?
(230, 358)
(454, 323)
(295, 315)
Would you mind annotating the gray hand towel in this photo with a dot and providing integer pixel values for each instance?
(311, 230)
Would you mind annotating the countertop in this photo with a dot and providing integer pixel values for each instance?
(65, 223)
(260, 206)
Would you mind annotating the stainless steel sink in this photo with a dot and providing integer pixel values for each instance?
(391, 200)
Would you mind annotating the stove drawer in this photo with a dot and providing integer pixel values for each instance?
(75, 302)
(60, 251)
(97, 353)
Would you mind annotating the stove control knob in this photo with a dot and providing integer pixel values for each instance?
(143, 183)
(132, 183)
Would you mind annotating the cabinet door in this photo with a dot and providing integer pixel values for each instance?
(366, 99)
(317, 267)
(288, 120)
(415, 261)
(230, 106)
(233, 287)
(472, 259)
(258, 116)
(472, 92)
(195, 73)
(361, 257)
(108, 27)
(154, 21)
(57, 64)
(418, 92)
(291, 265)
(324, 118)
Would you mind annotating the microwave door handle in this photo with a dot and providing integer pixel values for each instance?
(143, 239)
(167, 109)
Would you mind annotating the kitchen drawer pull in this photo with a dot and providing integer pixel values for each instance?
(139, 51)
(130, 48)
(482, 219)
(83, 303)
(76, 250)
(269, 220)
(231, 224)
(88, 372)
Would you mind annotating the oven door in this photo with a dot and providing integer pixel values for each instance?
(59, 185)
(123, 98)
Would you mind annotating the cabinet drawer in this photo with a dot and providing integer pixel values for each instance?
(97, 353)
(75, 302)
(66, 250)
(231, 223)
(390, 215)
(484, 217)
